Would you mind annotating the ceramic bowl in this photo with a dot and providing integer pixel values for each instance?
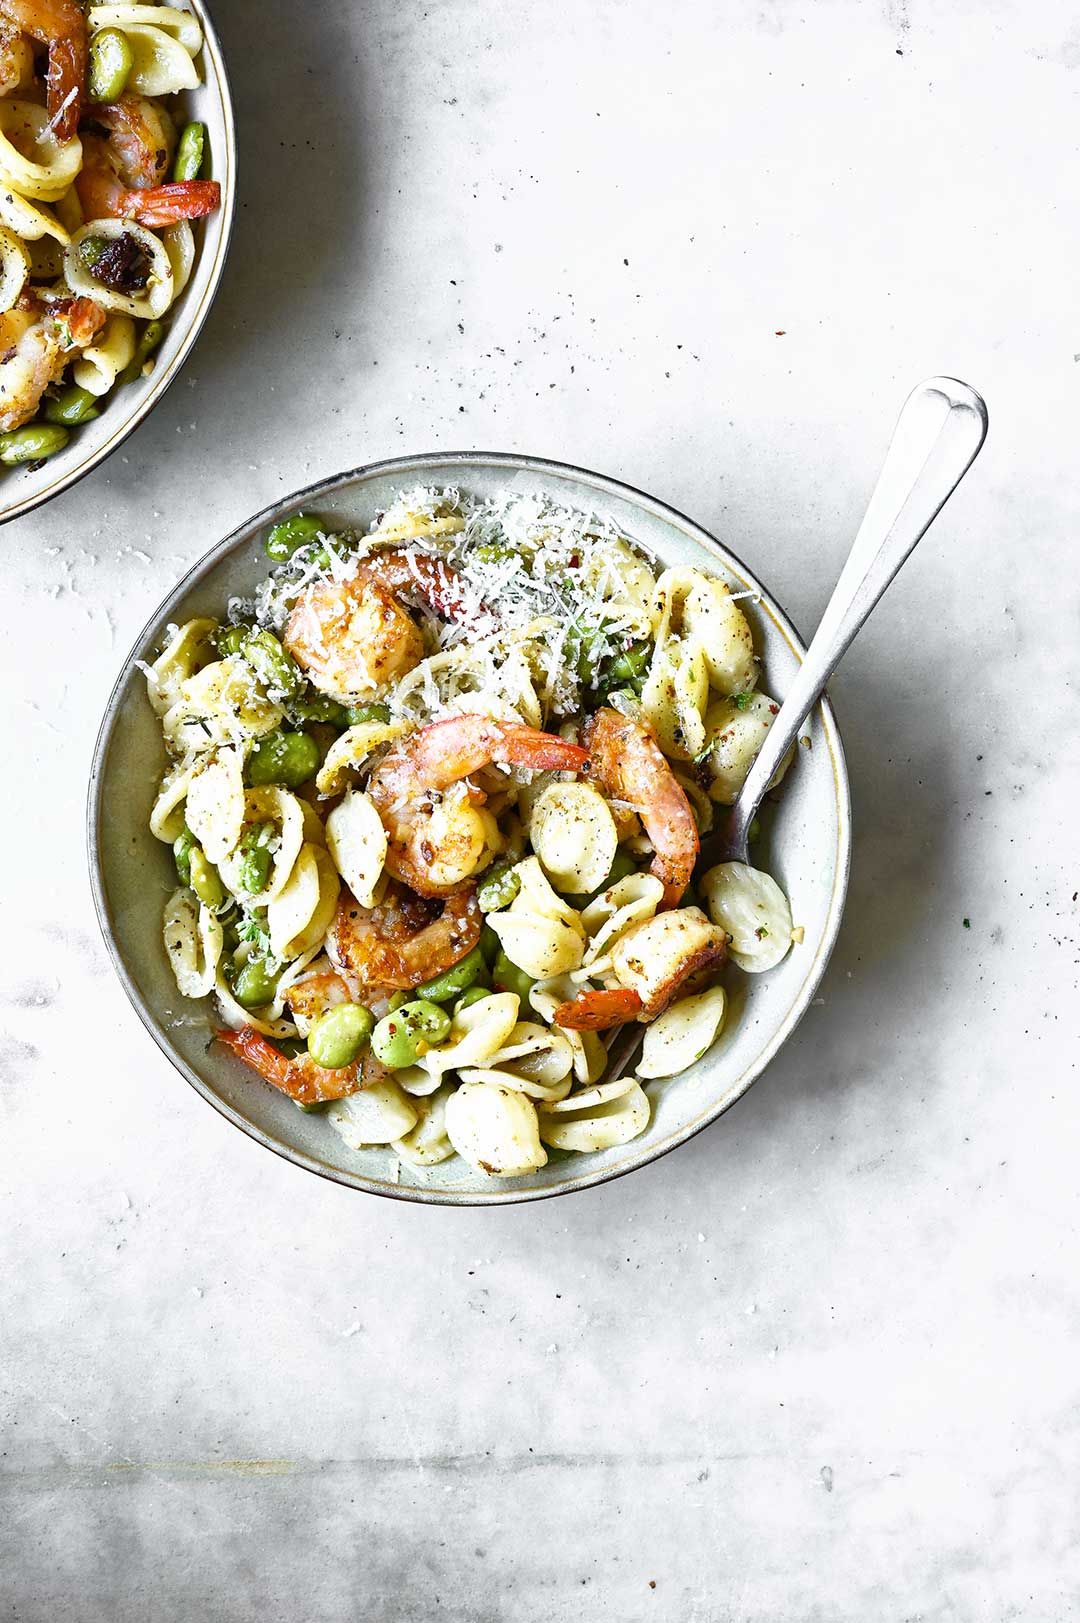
(22, 489)
(806, 846)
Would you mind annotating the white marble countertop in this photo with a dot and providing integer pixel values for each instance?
(820, 1364)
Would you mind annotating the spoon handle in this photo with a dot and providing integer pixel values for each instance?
(938, 435)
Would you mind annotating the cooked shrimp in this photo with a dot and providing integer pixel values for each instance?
(60, 25)
(354, 635)
(314, 994)
(300, 1078)
(36, 343)
(598, 1011)
(437, 841)
(404, 941)
(627, 763)
(121, 177)
(16, 60)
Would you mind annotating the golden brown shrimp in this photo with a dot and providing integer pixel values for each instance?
(437, 841)
(300, 1078)
(121, 177)
(405, 940)
(36, 343)
(627, 764)
(16, 60)
(60, 25)
(354, 635)
(313, 994)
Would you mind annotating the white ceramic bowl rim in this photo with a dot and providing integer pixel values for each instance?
(311, 496)
(189, 314)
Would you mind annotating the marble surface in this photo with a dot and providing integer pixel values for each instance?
(821, 1364)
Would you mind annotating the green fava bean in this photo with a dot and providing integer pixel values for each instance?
(339, 1036)
(272, 664)
(287, 758)
(490, 945)
(471, 995)
(401, 1037)
(253, 847)
(182, 849)
(452, 981)
(190, 150)
(292, 534)
(110, 61)
(32, 444)
(507, 977)
(498, 889)
(492, 552)
(70, 407)
(230, 640)
(256, 983)
(320, 708)
(205, 880)
(149, 339)
(360, 713)
(631, 664)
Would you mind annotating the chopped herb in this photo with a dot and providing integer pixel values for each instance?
(741, 701)
(762, 931)
(967, 924)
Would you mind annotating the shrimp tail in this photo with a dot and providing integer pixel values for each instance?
(301, 1079)
(598, 1011)
(159, 206)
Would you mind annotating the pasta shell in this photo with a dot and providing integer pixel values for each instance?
(33, 162)
(161, 66)
(148, 304)
(351, 751)
(357, 842)
(193, 943)
(536, 1060)
(574, 835)
(182, 26)
(674, 697)
(189, 649)
(597, 1126)
(99, 366)
(216, 805)
(736, 733)
(300, 914)
(14, 268)
(495, 1129)
(378, 1114)
(722, 631)
(427, 1144)
(680, 1036)
(477, 1032)
(269, 804)
(756, 915)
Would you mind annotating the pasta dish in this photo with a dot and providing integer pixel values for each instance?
(99, 184)
(435, 796)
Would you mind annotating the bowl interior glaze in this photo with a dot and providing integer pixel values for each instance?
(806, 847)
(23, 489)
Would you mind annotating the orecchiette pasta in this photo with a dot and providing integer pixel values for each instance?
(101, 363)
(464, 808)
(495, 1129)
(754, 912)
(156, 295)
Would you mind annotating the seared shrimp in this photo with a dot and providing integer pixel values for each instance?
(626, 762)
(437, 841)
(300, 1078)
(36, 343)
(598, 1011)
(121, 177)
(354, 635)
(405, 940)
(60, 25)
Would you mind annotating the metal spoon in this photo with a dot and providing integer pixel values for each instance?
(938, 435)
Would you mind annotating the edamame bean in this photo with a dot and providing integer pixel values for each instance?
(70, 407)
(272, 664)
(91, 250)
(631, 664)
(507, 977)
(189, 152)
(498, 889)
(182, 848)
(340, 1036)
(230, 640)
(490, 945)
(397, 999)
(287, 758)
(471, 995)
(446, 986)
(319, 708)
(32, 444)
(492, 552)
(400, 1038)
(291, 534)
(256, 982)
(149, 339)
(109, 63)
(205, 881)
(359, 713)
(255, 857)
